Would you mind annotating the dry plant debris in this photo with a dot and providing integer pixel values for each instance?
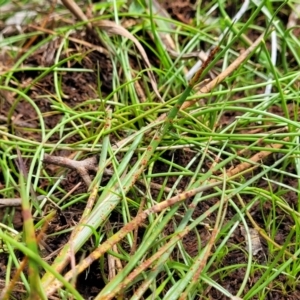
(113, 162)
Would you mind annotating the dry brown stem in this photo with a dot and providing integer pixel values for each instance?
(81, 166)
(138, 220)
(113, 28)
(212, 84)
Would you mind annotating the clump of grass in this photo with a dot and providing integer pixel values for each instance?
(173, 159)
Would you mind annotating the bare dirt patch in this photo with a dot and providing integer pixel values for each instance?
(76, 89)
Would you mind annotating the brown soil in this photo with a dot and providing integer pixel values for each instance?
(76, 90)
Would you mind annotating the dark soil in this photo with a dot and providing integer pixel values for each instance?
(76, 90)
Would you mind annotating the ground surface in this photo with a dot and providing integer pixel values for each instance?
(75, 90)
